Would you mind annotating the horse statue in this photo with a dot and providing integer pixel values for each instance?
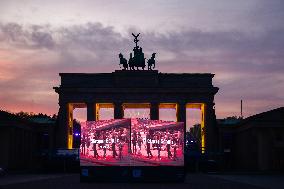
(151, 62)
(131, 62)
(137, 58)
(123, 61)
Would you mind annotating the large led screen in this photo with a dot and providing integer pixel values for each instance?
(132, 142)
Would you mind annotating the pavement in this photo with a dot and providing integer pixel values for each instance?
(192, 181)
(265, 181)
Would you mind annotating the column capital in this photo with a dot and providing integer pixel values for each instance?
(210, 104)
(154, 103)
(117, 102)
(62, 104)
(181, 102)
(90, 102)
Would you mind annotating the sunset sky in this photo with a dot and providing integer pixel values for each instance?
(242, 42)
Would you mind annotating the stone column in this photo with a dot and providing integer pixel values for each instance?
(118, 110)
(91, 111)
(154, 111)
(181, 112)
(211, 132)
(63, 131)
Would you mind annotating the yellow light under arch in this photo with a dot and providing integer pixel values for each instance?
(102, 105)
(200, 106)
(169, 106)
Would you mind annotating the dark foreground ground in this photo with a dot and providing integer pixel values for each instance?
(193, 181)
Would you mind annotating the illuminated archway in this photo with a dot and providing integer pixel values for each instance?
(201, 111)
(104, 111)
(70, 115)
(168, 111)
(136, 110)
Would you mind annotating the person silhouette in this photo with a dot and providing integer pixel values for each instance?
(175, 145)
(88, 143)
(104, 143)
(139, 141)
(169, 147)
(83, 144)
(159, 145)
(96, 155)
(148, 146)
(134, 141)
(114, 154)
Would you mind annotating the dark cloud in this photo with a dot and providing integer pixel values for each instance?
(243, 62)
(33, 37)
(42, 39)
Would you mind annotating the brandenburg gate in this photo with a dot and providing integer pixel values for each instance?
(134, 88)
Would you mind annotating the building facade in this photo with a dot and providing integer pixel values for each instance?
(255, 143)
(136, 89)
(23, 141)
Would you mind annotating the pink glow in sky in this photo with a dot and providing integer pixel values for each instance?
(242, 42)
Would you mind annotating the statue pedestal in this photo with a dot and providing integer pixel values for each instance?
(136, 78)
